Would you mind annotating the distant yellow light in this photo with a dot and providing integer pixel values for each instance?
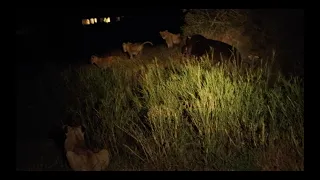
(92, 20)
(85, 22)
(106, 20)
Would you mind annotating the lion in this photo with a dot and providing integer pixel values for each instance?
(134, 48)
(79, 156)
(101, 62)
(171, 39)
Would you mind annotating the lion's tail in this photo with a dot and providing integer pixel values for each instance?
(147, 43)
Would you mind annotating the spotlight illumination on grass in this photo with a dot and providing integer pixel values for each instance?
(165, 115)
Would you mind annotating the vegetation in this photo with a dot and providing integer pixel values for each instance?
(166, 112)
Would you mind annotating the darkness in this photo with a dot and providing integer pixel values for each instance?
(63, 34)
(59, 31)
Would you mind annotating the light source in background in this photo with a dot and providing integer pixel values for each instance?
(95, 20)
(92, 20)
(85, 21)
(106, 20)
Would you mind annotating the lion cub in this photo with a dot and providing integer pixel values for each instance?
(81, 158)
(134, 48)
(171, 39)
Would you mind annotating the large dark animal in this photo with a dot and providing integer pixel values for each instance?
(197, 45)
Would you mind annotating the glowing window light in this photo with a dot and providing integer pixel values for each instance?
(85, 21)
(92, 21)
(106, 20)
(95, 20)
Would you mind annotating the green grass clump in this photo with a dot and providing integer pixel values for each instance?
(190, 116)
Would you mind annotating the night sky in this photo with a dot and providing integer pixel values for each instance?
(23, 14)
(61, 29)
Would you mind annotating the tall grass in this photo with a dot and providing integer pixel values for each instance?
(190, 116)
(165, 112)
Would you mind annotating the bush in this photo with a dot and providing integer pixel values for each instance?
(233, 26)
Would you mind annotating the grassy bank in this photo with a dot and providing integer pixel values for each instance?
(165, 115)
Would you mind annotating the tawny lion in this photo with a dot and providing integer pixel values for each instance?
(134, 49)
(171, 39)
(81, 158)
(101, 62)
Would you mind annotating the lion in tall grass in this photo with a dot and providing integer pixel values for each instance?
(171, 39)
(79, 156)
(134, 49)
(101, 62)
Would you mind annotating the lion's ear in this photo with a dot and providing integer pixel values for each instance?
(65, 128)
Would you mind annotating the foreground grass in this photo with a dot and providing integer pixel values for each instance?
(164, 115)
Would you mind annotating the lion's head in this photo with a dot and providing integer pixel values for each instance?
(95, 59)
(164, 34)
(124, 46)
(74, 137)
